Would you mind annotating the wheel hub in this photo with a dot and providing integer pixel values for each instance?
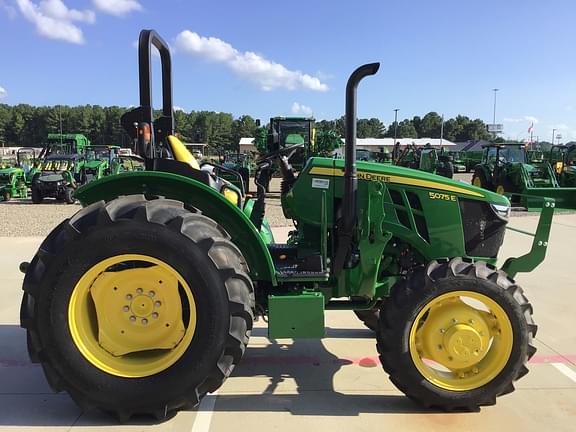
(464, 344)
(137, 309)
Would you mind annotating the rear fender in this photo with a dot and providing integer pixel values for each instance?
(193, 193)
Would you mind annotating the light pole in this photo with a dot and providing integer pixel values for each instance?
(553, 132)
(494, 112)
(395, 124)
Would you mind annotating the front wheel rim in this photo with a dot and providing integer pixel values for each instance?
(132, 315)
(461, 340)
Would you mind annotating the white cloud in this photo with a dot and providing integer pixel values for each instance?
(301, 109)
(117, 7)
(268, 75)
(3, 93)
(54, 19)
(524, 119)
(178, 108)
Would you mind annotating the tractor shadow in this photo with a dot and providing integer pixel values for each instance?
(306, 366)
(299, 377)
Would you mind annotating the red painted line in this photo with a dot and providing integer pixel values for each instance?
(370, 361)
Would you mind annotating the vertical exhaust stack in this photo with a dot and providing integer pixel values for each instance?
(349, 203)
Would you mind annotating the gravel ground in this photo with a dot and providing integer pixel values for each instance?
(21, 218)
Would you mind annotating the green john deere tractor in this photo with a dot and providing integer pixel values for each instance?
(563, 160)
(12, 184)
(458, 162)
(14, 180)
(100, 161)
(425, 159)
(505, 169)
(160, 313)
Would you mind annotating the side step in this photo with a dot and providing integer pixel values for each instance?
(290, 267)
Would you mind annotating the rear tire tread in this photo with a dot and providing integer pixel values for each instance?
(205, 232)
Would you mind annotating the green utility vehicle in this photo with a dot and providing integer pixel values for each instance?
(58, 177)
(14, 180)
(57, 143)
(144, 301)
(563, 160)
(100, 161)
(505, 169)
(425, 159)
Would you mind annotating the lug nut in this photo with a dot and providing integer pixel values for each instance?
(144, 321)
(157, 303)
(126, 308)
(132, 318)
(442, 331)
(475, 370)
(471, 321)
(139, 290)
(151, 293)
(454, 320)
(128, 296)
(155, 315)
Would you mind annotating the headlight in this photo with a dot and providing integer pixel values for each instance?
(502, 211)
(231, 195)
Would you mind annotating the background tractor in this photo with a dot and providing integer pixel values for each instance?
(563, 161)
(160, 313)
(100, 161)
(14, 180)
(505, 169)
(425, 159)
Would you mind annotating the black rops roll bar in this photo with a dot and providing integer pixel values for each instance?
(134, 120)
(349, 203)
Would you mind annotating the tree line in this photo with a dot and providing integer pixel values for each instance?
(27, 125)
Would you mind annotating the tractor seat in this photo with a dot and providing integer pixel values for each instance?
(181, 153)
(185, 164)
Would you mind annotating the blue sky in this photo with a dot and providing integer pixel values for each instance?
(269, 58)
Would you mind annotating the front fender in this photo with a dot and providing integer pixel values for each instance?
(196, 194)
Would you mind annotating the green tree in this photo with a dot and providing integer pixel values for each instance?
(406, 129)
(326, 142)
(244, 126)
(430, 126)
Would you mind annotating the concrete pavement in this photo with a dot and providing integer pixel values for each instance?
(331, 384)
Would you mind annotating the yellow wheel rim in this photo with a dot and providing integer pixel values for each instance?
(461, 340)
(132, 315)
(500, 190)
(477, 182)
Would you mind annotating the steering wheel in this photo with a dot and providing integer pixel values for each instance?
(287, 152)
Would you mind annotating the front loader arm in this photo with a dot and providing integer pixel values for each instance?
(528, 262)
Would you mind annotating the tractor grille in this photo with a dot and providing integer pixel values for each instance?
(483, 229)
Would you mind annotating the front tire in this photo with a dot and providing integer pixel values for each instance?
(36, 196)
(95, 279)
(69, 195)
(456, 335)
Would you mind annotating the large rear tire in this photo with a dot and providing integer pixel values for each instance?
(456, 335)
(110, 333)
